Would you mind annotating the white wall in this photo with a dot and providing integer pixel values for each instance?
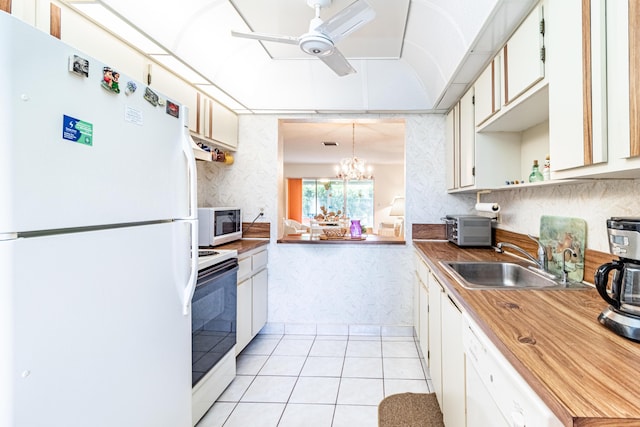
(251, 182)
(593, 201)
(345, 284)
(372, 285)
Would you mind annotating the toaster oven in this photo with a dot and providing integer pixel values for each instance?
(468, 230)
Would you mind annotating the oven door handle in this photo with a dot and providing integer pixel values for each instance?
(216, 271)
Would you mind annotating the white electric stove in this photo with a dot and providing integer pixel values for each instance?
(213, 327)
(209, 257)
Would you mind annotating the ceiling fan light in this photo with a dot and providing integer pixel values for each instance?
(316, 45)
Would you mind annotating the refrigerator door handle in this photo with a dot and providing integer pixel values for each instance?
(193, 213)
(192, 174)
(193, 275)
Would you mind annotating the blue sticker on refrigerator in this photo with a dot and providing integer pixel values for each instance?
(76, 130)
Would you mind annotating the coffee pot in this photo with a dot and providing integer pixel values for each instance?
(623, 293)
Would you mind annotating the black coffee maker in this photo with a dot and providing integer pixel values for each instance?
(623, 294)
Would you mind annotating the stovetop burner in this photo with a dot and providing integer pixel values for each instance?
(208, 256)
(206, 252)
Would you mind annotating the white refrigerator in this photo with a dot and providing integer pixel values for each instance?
(98, 242)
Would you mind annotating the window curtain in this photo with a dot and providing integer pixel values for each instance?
(294, 204)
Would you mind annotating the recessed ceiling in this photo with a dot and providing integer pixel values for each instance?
(415, 56)
(377, 142)
(382, 38)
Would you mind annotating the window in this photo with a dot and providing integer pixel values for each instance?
(353, 197)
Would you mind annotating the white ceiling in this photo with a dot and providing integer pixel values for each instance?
(415, 56)
(380, 39)
(377, 142)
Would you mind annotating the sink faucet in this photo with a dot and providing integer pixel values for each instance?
(565, 273)
(541, 261)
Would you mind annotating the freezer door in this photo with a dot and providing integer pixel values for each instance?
(132, 168)
(92, 329)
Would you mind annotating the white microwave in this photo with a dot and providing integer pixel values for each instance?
(218, 225)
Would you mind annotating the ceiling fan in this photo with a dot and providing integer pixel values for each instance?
(322, 36)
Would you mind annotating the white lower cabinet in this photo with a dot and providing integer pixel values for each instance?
(260, 290)
(443, 349)
(434, 353)
(453, 379)
(244, 314)
(252, 296)
(421, 306)
(423, 337)
(474, 384)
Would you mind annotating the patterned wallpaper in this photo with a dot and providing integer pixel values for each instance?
(349, 284)
(353, 284)
(594, 201)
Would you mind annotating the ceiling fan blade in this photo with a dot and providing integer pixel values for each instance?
(347, 20)
(338, 63)
(266, 37)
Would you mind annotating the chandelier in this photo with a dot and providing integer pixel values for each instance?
(353, 168)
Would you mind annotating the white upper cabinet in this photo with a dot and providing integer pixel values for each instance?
(623, 69)
(524, 56)
(512, 92)
(488, 91)
(577, 83)
(467, 140)
(222, 125)
(460, 144)
(503, 118)
(634, 77)
(212, 123)
(594, 120)
(452, 145)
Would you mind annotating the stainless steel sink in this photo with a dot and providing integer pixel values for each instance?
(503, 275)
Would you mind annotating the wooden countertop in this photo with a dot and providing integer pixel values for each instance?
(586, 374)
(370, 239)
(244, 245)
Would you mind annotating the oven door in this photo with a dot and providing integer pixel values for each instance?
(213, 316)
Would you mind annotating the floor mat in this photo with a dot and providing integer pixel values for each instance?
(410, 410)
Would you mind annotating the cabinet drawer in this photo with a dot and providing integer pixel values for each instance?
(244, 267)
(259, 260)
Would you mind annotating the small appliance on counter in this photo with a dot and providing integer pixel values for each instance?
(468, 230)
(217, 225)
(622, 315)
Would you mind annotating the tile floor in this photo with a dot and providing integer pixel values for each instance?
(317, 381)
